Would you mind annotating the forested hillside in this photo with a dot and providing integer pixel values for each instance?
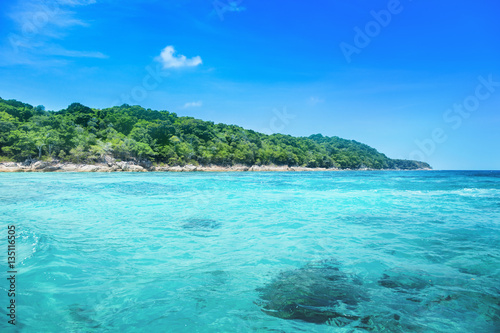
(83, 135)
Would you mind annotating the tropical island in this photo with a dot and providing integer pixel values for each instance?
(131, 138)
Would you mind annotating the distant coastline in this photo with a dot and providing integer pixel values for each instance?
(56, 166)
(82, 135)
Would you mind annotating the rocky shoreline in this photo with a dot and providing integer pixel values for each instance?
(42, 166)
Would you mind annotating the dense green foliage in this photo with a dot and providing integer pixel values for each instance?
(81, 134)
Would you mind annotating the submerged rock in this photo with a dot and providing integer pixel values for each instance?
(405, 281)
(317, 293)
(201, 224)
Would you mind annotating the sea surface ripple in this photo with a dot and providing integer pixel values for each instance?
(188, 252)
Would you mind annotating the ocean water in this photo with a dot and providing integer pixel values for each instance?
(253, 252)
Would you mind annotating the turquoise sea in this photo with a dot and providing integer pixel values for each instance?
(253, 252)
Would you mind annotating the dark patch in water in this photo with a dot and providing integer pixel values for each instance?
(82, 317)
(414, 299)
(317, 293)
(444, 299)
(405, 281)
(469, 271)
(216, 279)
(201, 224)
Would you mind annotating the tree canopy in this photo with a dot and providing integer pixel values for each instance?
(85, 135)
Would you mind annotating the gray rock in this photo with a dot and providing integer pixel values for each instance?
(146, 164)
(189, 168)
(51, 168)
(10, 165)
(39, 165)
(175, 168)
(130, 166)
(70, 167)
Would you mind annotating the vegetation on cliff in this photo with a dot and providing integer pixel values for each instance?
(84, 135)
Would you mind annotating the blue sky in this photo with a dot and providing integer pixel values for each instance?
(414, 79)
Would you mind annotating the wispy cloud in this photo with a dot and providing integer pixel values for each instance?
(58, 51)
(77, 2)
(169, 59)
(42, 25)
(45, 18)
(230, 6)
(192, 104)
(233, 6)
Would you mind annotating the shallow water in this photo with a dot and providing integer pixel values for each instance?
(189, 252)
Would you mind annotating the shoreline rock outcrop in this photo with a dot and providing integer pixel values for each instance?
(131, 166)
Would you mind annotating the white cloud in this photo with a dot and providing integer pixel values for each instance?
(169, 60)
(192, 104)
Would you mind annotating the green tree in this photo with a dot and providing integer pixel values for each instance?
(20, 145)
